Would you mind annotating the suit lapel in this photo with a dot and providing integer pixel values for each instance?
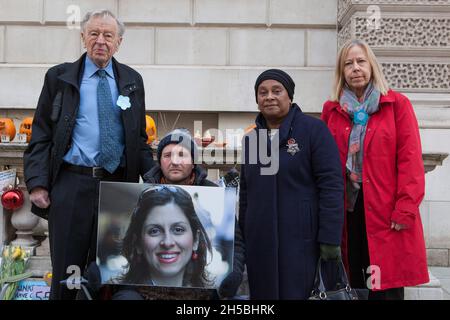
(71, 75)
(126, 84)
(286, 127)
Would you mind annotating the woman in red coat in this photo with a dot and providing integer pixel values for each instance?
(379, 146)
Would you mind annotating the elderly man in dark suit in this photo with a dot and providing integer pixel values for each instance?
(89, 126)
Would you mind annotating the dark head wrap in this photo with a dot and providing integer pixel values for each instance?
(278, 75)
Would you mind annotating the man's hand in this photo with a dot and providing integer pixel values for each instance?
(39, 197)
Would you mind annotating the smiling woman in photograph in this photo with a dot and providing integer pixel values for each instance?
(165, 244)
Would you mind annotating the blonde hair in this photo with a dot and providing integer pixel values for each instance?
(379, 81)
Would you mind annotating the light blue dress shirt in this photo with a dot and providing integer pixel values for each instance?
(85, 149)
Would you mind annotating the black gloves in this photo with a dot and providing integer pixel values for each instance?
(330, 252)
(231, 283)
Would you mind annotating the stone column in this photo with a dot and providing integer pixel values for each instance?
(24, 222)
(21, 221)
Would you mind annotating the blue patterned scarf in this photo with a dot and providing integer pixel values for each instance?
(360, 113)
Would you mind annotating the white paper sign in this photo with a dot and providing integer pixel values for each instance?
(21, 138)
(7, 178)
(5, 138)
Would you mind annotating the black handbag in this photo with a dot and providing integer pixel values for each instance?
(342, 290)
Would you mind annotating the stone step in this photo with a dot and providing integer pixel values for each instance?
(39, 265)
(428, 291)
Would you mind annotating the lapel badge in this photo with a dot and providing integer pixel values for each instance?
(292, 147)
(123, 102)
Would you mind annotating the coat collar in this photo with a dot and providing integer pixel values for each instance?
(388, 98)
(90, 68)
(126, 81)
(286, 125)
(73, 74)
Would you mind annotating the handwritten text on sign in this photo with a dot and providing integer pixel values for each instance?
(32, 290)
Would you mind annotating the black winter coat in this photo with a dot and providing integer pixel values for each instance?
(284, 216)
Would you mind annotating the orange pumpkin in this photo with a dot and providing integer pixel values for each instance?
(8, 128)
(150, 128)
(25, 127)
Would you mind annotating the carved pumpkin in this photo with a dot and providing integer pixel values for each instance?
(8, 128)
(25, 127)
(150, 128)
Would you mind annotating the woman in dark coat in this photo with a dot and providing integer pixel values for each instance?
(293, 214)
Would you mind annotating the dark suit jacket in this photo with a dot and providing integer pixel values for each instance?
(55, 119)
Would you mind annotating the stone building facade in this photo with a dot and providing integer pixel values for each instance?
(200, 58)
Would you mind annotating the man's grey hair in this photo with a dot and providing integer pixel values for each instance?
(102, 14)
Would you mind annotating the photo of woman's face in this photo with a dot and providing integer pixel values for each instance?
(167, 242)
(164, 235)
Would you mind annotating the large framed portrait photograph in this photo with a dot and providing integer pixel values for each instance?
(165, 235)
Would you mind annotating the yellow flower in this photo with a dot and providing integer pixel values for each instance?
(13, 266)
(17, 253)
(48, 278)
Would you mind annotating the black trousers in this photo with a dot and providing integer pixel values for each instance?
(358, 254)
(72, 228)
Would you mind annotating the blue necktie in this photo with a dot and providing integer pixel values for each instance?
(110, 149)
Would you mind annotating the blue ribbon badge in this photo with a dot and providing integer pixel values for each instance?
(123, 102)
(361, 117)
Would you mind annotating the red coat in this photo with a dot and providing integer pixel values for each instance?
(393, 182)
